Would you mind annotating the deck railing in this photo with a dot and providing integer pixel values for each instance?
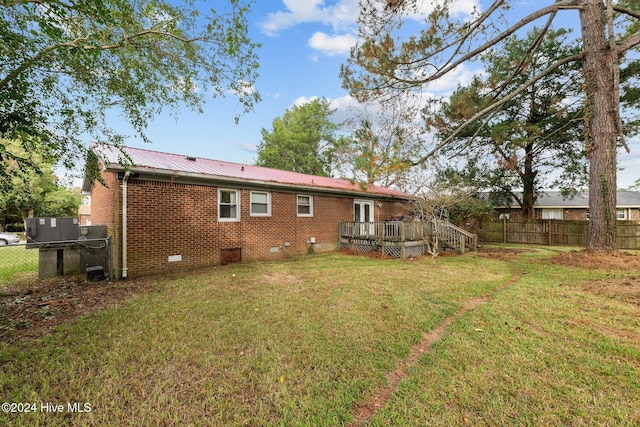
(400, 231)
(456, 237)
(390, 231)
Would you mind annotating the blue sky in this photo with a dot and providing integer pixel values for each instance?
(304, 42)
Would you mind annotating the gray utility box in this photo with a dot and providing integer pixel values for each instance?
(94, 251)
(89, 232)
(51, 230)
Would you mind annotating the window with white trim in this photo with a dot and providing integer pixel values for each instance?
(552, 214)
(621, 213)
(228, 205)
(305, 205)
(260, 203)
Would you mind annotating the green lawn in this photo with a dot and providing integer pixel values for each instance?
(17, 264)
(304, 342)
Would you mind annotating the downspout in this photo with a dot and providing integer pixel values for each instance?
(124, 224)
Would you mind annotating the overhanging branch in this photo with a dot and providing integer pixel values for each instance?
(499, 103)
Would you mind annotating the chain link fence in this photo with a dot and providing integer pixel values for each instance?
(17, 264)
(28, 263)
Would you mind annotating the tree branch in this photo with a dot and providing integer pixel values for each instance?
(552, 9)
(626, 11)
(77, 44)
(498, 104)
(7, 3)
(628, 44)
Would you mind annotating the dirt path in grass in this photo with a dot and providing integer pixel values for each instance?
(363, 412)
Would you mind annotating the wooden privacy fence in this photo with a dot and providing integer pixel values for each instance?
(553, 232)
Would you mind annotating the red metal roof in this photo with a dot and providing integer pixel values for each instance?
(168, 163)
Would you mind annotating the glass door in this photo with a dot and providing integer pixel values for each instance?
(363, 214)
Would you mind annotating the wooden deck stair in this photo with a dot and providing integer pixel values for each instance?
(455, 238)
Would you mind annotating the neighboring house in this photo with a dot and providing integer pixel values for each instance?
(552, 205)
(182, 211)
(84, 215)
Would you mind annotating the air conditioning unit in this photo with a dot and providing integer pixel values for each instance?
(51, 230)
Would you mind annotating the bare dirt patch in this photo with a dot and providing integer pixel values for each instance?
(371, 254)
(379, 255)
(596, 260)
(503, 254)
(34, 310)
(625, 289)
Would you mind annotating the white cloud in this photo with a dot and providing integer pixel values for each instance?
(445, 85)
(301, 100)
(458, 8)
(332, 45)
(341, 15)
(343, 106)
(243, 88)
(251, 148)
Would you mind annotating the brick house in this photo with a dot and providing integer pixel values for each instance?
(552, 205)
(84, 215)
(183, 211)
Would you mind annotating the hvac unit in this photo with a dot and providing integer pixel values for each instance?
(51, 230)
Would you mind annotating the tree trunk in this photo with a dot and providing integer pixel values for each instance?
(600, 123)
(528, 185)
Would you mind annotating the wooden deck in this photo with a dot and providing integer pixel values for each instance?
(403, 239)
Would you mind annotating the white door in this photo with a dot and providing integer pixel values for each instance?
(363, 213)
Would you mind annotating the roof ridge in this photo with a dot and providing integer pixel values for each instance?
(261, 173)
(242, 164)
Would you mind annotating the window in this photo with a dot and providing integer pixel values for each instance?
(551, 213)
(260, 203)
(305, 205)
(621, 214)
(228, 205)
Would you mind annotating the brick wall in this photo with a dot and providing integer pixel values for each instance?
(181, 221)
(573, 214)
(105, 210)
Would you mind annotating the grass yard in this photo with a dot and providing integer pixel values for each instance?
(18, 264)
(527, 337)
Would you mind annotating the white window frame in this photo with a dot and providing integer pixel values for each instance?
(251, 203)
(308, 215)
(623, 212)
(237, 205)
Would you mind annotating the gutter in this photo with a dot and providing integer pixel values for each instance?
(124, 224)
(217, 180)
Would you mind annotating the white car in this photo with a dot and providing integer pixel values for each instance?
(8, 238)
